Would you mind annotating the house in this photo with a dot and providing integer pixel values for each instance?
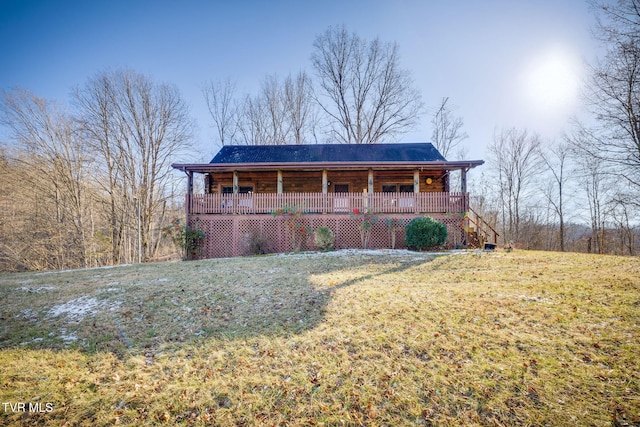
(327, 183)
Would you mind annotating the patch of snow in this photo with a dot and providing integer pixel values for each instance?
(530, 299)
(27, 314)
(526, 298)
(104, 267)
(364, 252)
(79, 308)
(36, 290)
(68, 337)
(32, 341)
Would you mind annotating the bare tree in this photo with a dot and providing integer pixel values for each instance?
(595, 184)
(282, 113)
(556, 160)
(515, 158)
(254, 121)
(51, 166)
(595, 178)
(223, 107)
(97, 117)
(625, 219)
(272, 97)
(300, 108)
(362, 89)
(614, 93)
(137, 127)
(447, 129)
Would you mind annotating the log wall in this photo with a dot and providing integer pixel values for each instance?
(311, 181)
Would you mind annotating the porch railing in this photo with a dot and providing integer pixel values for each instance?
(320, 203)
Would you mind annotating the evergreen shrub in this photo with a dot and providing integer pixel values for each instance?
(425, 233)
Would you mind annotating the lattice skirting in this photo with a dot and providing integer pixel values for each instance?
(238, 235)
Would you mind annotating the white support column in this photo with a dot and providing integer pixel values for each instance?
(325, 182)
(236, 187)
(370, 182)
(279, 190)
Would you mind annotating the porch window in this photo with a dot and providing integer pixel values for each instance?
(389, 188)
(397, 188)
(341, 188)
(243, 189)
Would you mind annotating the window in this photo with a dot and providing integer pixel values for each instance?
(341, 188)
(389, 188)
(397, 188)
(406, 188)
(243, 189)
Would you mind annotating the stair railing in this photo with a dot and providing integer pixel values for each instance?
(485, 232)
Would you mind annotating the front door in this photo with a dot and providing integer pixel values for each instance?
(341, 188)
(341, 204)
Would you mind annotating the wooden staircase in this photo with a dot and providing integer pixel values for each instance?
(479, 233)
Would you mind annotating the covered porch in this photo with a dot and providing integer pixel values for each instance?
(400, 187)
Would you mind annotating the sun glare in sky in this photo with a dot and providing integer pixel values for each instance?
(552, 81)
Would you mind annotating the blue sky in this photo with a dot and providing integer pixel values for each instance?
(503, 63)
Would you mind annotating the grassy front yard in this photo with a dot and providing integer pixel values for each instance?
(343, 338)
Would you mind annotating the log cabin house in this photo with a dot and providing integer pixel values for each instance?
(327, 183)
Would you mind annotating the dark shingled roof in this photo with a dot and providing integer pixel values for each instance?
(328, 153)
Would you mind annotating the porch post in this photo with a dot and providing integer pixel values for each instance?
(416, 188)
(463, 180)
(325, 182)
(279, 182)
(236, 187)
(463, 188)
(370, 182)
(189, 193)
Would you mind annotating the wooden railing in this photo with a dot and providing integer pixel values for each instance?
(320, 203)
(485, 232)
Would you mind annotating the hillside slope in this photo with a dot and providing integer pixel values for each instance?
(352, 337)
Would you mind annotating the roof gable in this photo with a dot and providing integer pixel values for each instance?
(328, 153)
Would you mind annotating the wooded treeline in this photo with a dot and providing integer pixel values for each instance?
(90, 187)
(583, 191)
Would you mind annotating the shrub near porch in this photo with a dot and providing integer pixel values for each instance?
(425, 233)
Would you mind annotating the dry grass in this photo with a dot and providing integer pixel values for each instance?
(525, 338)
